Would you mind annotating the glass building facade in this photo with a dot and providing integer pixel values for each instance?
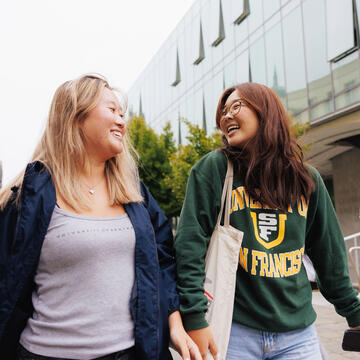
(307, 51)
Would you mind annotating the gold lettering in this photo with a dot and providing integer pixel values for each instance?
(292, 263)
(243, 258)
(278, 264)
(264, 269)
(255, 257)
(302, 206)
(301, 257)
(272, 270)
(233, 205)
(297, 261)
(244, 195)
(273, 265)
(284, 257)
(238, 201)
(254, 204)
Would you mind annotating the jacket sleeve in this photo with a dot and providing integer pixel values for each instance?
(196, 224)
(165, 249)
(326, 248)
(8, 219)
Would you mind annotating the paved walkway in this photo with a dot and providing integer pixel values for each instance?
(331, 327)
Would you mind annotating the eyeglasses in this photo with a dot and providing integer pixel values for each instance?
(234, 108)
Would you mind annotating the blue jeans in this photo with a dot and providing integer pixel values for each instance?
(251, 344)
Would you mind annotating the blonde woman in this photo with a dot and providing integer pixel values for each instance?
(86, 260)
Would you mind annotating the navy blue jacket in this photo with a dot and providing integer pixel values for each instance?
(22, 232)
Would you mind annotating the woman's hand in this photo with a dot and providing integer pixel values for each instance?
(204, 339)
(181, 340)
(355, 328)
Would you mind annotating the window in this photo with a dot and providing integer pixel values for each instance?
(177, 70)
(201, 48)
(256, 18)
(212, 91)
(221, 34)
(275, 62)
(141, 113)
(340, 28)
(270, 8)
(294, 62)
(346, 77)
(230, 74)
(242, 67)
(257, 62)
(209, 17)
(318, 68)
(198, 97)
(229, 28)
(242, 8)
(179, 131)
(204, 126)
(190, 100)
(207, 101)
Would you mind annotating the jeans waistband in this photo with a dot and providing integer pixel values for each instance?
(119, 355)
(126, 354)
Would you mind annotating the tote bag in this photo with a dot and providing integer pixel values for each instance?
(221, 264)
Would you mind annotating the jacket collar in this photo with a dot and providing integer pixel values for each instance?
(36, 176)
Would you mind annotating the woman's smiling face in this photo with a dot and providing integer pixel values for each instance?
(239, 123)
(104, 127)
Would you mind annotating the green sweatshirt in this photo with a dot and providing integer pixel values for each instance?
(272, 289)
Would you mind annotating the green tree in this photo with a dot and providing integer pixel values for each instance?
(154, 166)
(300, 129)
(185, 157)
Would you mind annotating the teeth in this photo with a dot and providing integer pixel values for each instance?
(230, 128)
(117, 133)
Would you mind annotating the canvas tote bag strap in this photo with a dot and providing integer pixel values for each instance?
(226, 195)
(229, 194)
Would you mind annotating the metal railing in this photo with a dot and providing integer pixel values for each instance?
(354, 251)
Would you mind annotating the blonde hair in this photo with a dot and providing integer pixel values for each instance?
(61, 148)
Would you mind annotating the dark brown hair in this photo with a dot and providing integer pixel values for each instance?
(272, 163)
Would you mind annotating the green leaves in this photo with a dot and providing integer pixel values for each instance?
(299, 129)
(165, 168)
(186, 156)
(154, 166)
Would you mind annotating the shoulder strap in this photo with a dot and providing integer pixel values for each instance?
(226, 195)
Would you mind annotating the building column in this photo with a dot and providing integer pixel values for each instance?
(346, 177)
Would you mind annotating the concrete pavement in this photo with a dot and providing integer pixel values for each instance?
(330, 327)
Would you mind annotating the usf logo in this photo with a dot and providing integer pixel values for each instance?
(266, 226)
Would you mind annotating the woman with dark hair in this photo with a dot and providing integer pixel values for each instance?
(283, 208)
